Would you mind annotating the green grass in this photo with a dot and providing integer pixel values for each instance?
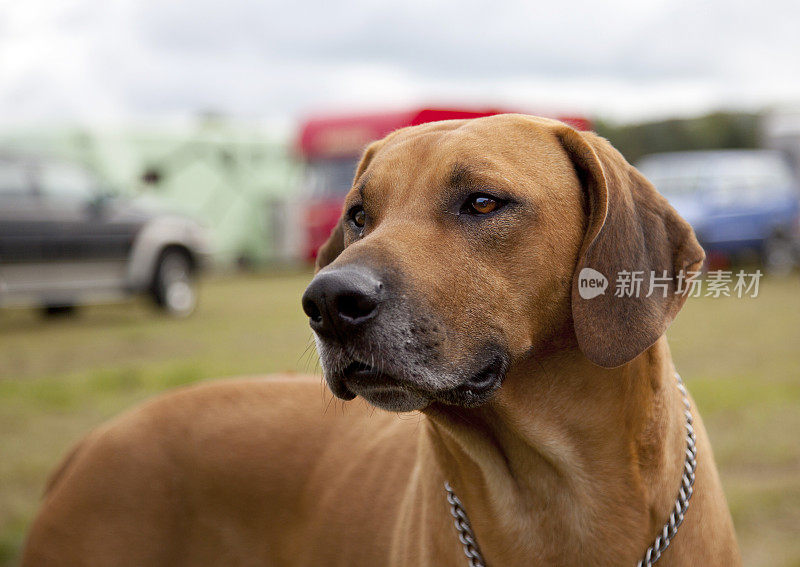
(741, 361)
(59, 378)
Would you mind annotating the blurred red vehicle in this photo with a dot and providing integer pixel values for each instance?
(331, 145)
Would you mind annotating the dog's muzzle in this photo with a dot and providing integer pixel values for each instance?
(376, 342)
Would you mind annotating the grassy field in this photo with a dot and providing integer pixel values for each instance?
(59, 378)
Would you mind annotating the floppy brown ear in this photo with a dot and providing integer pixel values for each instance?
(329, 251)
(631, 228)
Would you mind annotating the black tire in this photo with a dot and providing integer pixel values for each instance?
(53, 311)
(174, 289)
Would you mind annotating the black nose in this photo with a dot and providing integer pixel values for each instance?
(342, 299)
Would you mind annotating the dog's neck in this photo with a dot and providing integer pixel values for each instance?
(585, 455)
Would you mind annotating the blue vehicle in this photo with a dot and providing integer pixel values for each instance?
(740, 202)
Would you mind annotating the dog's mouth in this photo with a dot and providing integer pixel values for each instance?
(358, 371)
(378, 387)
(396, 392)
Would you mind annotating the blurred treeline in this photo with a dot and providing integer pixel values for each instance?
(712, 131)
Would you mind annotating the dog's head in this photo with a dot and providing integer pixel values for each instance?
(460, 252)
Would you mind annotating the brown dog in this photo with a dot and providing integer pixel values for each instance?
(451, 286)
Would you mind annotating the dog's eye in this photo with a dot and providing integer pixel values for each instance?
(481, 204)
(358, 216)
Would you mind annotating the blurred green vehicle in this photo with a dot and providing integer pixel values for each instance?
(66, 240)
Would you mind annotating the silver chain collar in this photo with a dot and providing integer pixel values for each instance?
(653, 553)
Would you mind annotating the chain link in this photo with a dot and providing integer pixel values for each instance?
(669, 530)
(653, 553)
(465, 533)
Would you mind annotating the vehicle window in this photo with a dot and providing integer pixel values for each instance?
(753, 172)
(729, 178)
(14, 178)
(330, 178)
(676, 184)
(66, 181)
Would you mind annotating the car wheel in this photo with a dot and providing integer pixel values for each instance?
(59, 310)
(174, 289)
(779, 256)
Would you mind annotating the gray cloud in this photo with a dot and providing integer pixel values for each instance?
(142, 58)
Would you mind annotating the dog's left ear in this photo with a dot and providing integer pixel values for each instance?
(631, 229)
(334, 246)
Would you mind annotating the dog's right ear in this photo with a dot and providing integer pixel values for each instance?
(329, 251)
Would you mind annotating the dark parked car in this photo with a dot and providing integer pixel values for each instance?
(65, 241)
(738, 201)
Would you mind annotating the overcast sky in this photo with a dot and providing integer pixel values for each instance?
(154, 60)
